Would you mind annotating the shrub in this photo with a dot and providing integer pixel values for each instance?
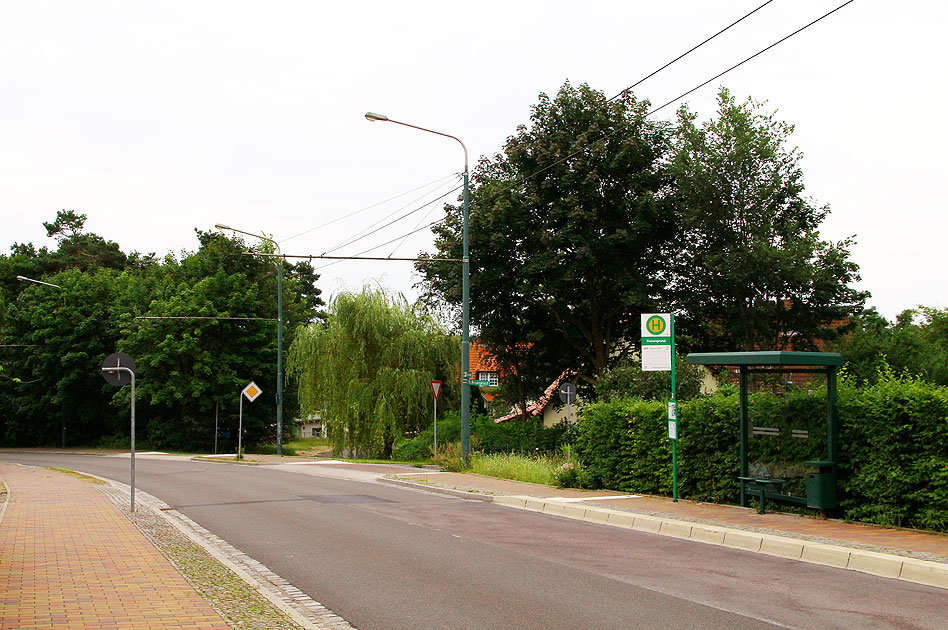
(629, 381)
(449, 458)
(893, 467)
(516, 436)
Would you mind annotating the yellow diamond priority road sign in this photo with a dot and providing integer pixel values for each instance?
(252, 391)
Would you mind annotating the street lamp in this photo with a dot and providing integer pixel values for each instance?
(221, 226)
(48, 284)
(465, 291)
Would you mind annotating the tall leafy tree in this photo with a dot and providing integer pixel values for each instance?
(56, 341)
(194, 358)
(752, 271)
(569, 229)
(367, 369)
(916, 343)
(53, 340)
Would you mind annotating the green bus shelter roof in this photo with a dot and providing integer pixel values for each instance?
(765, 358)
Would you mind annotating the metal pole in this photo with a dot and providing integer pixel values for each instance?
(132, 505)
(436, 424)
(674, 406)
(465, 324)
(280, 358)
(216, 430)
(832, 433)
(240, 422)
(745, 420)
(132, 374)
(279, 395)
(465, 290)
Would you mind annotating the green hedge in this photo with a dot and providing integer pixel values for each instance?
(487, 437)
(623, 444)
(894, 438)
(893, 447)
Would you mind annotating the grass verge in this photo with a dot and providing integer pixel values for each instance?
(517, 467)
(80, 476)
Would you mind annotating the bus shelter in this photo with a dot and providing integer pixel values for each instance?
(821, 483)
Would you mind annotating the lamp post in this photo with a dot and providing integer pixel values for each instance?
(47, 284)
(220, 226)
(55, 286)
(465, 290)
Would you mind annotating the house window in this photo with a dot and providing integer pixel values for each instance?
(491, 377)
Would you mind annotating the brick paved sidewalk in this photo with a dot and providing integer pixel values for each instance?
(70, 559)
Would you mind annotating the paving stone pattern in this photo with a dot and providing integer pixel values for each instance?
(246, 593)
(69, 559)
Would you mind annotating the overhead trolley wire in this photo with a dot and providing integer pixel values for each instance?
(691, 50)
(657, 109)
(393, 221)
(374, 205)
(364, 232)
(650, 113)
(640, 81)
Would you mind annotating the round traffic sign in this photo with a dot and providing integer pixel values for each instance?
(117, 377)
(567, 392)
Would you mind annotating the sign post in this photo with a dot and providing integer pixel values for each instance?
(567, 395)
(119, 369)
(436, 390)
(251, 391)
(658, 355)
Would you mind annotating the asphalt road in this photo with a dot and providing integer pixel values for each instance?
(385, 557)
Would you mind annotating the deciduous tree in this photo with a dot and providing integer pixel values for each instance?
(366, 370)
(569, 230)
(752, 271)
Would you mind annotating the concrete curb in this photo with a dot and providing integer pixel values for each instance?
(461, 494)
(881, 564)
(303, 610)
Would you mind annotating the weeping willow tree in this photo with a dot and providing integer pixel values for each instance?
(367, 370)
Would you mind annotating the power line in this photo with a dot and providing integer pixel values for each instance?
(688, 52)
(356, 256)
(405, 238)
(405, 216)
(653, 111)
(756, 54)
(374, 205)
(253, 319)
(355, 237)
(717, 76)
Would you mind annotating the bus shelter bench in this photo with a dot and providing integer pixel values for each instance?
(763, 488)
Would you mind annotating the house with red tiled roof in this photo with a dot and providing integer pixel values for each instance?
(548, 406)
(484, 367)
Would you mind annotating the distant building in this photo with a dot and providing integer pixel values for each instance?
(311, 427)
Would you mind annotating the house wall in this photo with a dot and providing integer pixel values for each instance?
(553, 415)
(312, 428)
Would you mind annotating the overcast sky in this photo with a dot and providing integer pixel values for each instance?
(155, 118)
